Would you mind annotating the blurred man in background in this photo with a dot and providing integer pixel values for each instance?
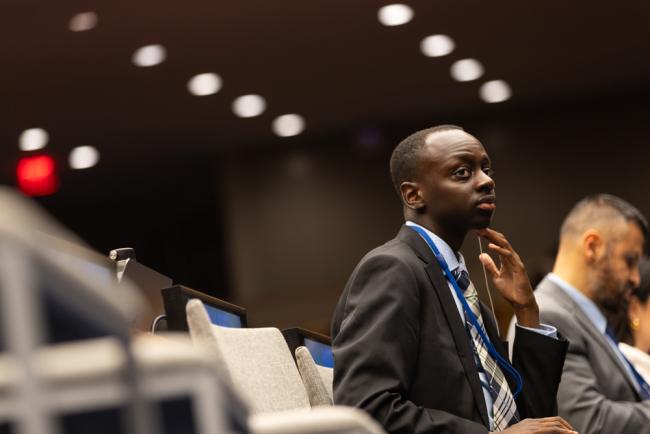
(414, 347)
(601, 243)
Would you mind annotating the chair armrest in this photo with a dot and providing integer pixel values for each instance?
(318, 420)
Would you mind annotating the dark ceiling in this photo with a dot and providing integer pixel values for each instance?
(330, 61)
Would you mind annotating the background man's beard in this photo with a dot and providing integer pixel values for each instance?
(610, 305)
(607, 296)
(610, 301)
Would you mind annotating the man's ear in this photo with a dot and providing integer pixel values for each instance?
(411, 195)
(593, 245)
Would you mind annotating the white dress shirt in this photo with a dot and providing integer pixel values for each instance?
(638, 358)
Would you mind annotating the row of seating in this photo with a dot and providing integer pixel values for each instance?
(166, 307)
(68, 364)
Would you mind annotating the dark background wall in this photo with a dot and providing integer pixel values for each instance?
(279, 229)
(298, 220)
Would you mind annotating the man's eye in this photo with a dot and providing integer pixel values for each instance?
(463, 172)
(631, 260)
(489, 172)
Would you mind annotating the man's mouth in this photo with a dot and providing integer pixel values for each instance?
(487, 203)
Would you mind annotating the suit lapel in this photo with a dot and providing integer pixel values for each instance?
(454, 321)
(564, 300)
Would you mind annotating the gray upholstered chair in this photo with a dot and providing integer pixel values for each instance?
(319, 420)
(260, 367)
(318, 380)
(256, 361)
(87, 376)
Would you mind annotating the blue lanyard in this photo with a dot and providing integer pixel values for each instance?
(644, 388)
(502, 362)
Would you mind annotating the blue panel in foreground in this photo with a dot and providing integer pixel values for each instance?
(322, 353)
(222, 317)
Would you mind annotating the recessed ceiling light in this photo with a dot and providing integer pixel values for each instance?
(395, 14)
(83, 22)
(149, 55)
(466, 70)
(437, 45)
(248, 106)
(33, 139)
(495, 91)
(83, 157)
(288, 125)
(204, 84)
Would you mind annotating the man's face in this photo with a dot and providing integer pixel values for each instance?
(455, 181)
(617, 271)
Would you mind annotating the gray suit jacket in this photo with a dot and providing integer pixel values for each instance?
(596, 394)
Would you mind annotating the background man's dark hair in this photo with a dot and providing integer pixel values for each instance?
(404, 160)
(601, 209)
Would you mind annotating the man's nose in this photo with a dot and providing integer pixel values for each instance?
(485, 182)
(635, 278)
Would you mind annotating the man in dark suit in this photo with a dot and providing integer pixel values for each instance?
(601, 243)
(413, 346)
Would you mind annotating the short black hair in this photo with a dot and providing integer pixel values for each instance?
(601, 208)
(405, 156)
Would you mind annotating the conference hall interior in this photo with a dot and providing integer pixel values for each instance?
(154, 153)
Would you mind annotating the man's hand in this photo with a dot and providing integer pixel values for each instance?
(510, 279)
(547, 425)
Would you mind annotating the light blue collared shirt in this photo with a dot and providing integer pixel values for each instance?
(594, 314)
(455, 262)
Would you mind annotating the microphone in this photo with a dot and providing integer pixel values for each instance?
(122, 254)
(121, 257)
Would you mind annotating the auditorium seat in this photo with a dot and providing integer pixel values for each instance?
(256, 360)
(319, 420)
(9, 378)
(84, 387)
(317, 379)
(258, 364)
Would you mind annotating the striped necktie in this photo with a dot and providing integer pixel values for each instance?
(504, 407)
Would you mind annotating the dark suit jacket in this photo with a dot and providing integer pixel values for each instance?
(402, 353)
(596, 395)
